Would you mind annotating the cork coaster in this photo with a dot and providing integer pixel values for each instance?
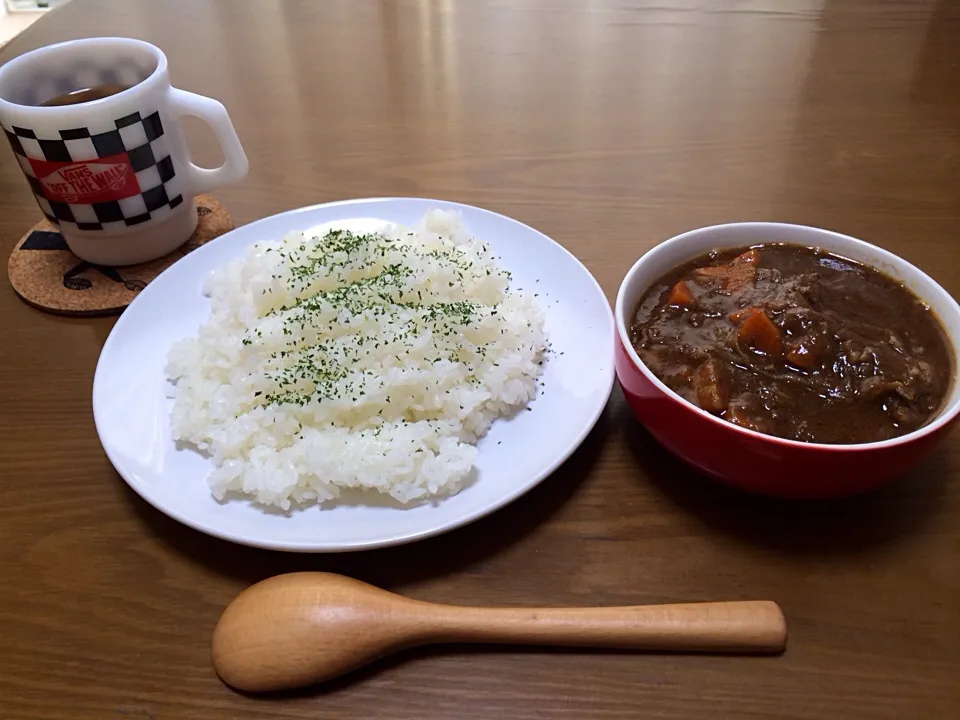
(50, 277)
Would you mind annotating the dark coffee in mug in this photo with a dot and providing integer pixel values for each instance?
(85, 95)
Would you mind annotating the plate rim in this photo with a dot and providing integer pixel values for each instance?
(410, 537)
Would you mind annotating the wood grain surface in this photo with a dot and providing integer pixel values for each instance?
(610, 125)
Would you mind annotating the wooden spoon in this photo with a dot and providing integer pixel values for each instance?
(301, 628)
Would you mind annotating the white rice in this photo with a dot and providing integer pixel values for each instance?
(411, 381)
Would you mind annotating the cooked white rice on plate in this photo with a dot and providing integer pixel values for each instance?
(373, 361)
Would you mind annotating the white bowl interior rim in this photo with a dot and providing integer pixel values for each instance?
(684, 247)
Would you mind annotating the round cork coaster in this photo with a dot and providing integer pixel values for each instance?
(48, 276)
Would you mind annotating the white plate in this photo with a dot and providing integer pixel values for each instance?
(131, 406)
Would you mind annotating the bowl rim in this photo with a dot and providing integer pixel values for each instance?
(945, 415)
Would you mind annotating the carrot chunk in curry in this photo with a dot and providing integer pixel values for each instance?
(713, 390)
(680, 295)
(758, 334)
(732, 277)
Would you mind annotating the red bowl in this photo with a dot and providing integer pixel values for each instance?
(748, 459)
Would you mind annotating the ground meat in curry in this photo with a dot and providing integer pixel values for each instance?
(795, 342)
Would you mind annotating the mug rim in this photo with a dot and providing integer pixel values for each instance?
(11, 66)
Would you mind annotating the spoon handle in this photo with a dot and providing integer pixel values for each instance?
(747, 626)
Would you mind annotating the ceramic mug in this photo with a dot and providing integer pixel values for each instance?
(112, 174)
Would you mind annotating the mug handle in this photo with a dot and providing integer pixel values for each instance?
(235, 165)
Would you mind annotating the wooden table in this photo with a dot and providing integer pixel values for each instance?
(610, 125)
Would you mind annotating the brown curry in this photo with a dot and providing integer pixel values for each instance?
(795, 342)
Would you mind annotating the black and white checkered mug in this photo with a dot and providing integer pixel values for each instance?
(113, 174)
